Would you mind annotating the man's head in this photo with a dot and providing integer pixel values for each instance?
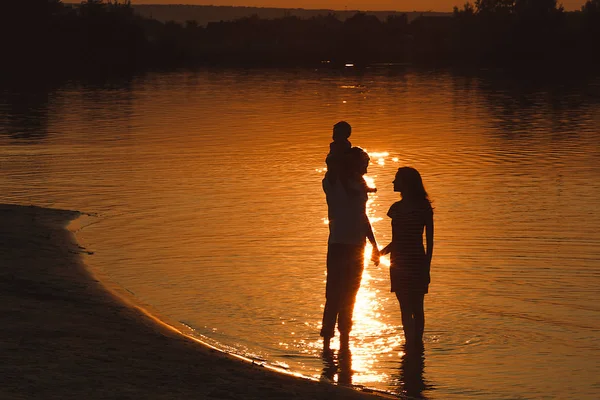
(357, 161)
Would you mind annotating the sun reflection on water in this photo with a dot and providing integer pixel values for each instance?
(372, 338)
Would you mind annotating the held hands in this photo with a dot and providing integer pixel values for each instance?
(375, 255)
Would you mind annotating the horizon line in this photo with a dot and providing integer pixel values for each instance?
(272, 8)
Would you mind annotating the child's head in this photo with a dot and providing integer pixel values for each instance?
(408, 182)
(341, 131)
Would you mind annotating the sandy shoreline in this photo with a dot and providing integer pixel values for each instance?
(63, 335)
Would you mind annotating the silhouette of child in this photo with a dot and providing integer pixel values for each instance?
(338, 148)
(337, 159)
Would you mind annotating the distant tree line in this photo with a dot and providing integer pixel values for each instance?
(525, 30)
(47, 36)
(105, 36)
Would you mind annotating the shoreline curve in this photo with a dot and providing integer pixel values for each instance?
(65, 334)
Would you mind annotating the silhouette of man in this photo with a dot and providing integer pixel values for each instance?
(349, 226)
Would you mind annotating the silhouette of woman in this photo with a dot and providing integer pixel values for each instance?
(349, 227)
(410, 263)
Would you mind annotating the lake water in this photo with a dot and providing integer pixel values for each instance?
(206, 193)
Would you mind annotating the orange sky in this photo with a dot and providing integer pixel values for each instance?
(387, 5)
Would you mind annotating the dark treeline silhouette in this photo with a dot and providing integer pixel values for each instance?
(42, 36)
(203, 14)
(500, 31)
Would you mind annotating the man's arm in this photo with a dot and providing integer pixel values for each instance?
(371, 237)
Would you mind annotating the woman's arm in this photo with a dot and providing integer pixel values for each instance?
(386, 250)
(429, 237)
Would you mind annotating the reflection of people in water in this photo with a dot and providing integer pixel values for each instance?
(410, 382)
(410, 263)
(340, 366)
(349, 226)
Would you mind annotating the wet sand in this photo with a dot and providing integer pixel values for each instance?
(64, 335)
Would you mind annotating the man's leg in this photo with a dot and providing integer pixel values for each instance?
(330, 314)
(355, 265)
(332, 292)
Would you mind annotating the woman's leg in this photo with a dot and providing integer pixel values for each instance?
(419, 316)
(408, 322)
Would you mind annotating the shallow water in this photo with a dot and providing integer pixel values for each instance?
(208, 207)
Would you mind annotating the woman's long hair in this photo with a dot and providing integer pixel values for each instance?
(413, 189)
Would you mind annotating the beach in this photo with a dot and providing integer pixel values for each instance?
(67, 335)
